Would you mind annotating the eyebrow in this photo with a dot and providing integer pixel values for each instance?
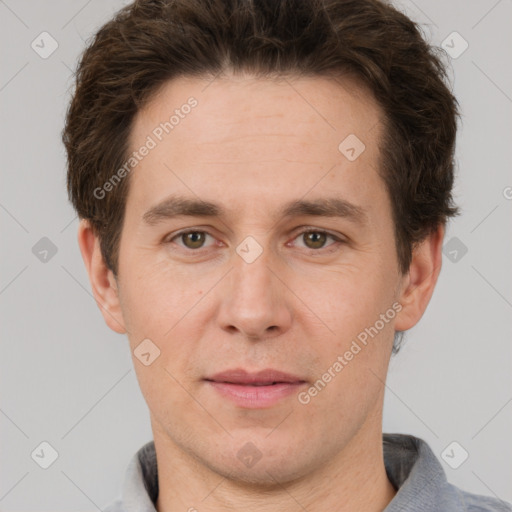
(175, 206)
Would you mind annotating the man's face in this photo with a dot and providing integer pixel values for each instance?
(253, 289)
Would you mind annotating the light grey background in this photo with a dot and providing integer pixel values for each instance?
(68, 380)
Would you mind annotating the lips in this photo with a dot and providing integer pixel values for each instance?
(255, 390)
(266, 377)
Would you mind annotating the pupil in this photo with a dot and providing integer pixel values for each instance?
(195, 239)
(316, 239)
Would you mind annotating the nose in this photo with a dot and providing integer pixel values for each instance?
(255, 303)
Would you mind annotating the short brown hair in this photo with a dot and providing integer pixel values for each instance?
(152, 41)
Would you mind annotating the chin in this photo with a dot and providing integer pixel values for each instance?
(263, 476)
(264, 464)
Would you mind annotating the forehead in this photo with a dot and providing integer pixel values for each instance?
(307, 106)
(246, 135)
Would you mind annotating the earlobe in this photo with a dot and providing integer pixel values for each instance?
(103, 282)
(420, 281)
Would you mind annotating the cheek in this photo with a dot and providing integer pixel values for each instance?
(168, 306)
(349, 298)
(357, 306)
(158, 305)
(158, 296)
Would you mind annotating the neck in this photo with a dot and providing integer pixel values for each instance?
(354, 479)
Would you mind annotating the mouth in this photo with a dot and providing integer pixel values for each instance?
(261, 389)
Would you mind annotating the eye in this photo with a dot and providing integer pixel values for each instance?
(191, 239)
(316, 239)
(313, 239)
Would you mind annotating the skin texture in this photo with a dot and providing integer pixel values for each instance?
(253, 145)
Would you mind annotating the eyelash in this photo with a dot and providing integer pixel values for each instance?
(305, 230)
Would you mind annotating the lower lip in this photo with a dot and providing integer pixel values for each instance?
(256, 397)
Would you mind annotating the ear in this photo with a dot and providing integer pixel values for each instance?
(103, 282)
(419, 282)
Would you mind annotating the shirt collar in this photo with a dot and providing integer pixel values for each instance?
(140, 488)
(415, 472)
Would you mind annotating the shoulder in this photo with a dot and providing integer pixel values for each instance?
(470, 502)
(414, 469)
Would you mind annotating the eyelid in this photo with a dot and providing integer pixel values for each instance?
(169, 239)
(303, 229)
(309, 229)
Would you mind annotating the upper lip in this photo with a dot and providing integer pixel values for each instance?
(267, 376)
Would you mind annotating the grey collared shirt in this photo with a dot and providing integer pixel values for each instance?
(410, 464)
